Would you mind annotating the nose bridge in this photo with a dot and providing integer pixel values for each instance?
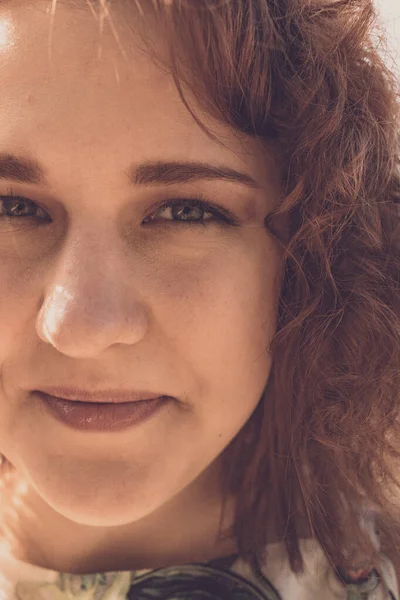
(86, 305)
(88, 262)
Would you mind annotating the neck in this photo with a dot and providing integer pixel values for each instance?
(183, 530)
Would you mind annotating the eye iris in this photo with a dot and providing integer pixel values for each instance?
(17, 207)
(181, 210)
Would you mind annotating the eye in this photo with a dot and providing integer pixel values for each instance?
(18, 207)
(182, 211)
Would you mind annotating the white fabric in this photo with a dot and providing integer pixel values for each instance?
(318, 582)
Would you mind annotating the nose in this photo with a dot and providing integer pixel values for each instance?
(89, 302)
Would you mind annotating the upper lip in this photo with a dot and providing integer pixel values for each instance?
(106, 396)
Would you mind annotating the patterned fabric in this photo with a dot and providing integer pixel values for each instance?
(319, 580)
(228, 578)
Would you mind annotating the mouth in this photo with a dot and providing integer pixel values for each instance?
(100, 416)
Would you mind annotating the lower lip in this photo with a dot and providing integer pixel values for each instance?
(89, 416)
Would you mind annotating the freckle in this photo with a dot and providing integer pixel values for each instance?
(31, 99)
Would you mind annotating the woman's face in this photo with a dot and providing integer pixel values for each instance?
(94, 295)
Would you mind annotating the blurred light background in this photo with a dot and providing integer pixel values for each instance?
(389, 17)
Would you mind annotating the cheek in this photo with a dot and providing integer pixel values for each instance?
(230, 295)
(220, 316)
(18, 302)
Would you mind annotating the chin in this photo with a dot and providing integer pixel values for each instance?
(100, 514)
(101, 503)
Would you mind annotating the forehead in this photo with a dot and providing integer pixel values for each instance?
(73, 87)
(64, 64)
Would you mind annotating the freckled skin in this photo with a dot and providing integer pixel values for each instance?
(98, 299)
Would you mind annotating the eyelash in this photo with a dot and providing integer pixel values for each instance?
(220, 215)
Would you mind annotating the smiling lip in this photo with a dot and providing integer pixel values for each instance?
(101, 396)
(91, 416)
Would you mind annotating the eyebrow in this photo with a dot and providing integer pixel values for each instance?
(174, 172)
(151, 173)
